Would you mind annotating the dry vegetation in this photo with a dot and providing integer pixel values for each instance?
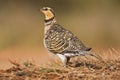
(79, 68)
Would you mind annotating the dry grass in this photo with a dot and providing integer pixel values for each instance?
(79, 68)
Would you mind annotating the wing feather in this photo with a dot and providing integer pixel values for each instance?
(60, 40)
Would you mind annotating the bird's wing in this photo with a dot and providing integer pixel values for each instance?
(63, 41)
(57, 41)
(77, 45)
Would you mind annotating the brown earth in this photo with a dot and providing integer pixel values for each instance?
(28, 65)
(21, 55)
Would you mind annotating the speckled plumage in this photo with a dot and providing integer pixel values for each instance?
(61, 41)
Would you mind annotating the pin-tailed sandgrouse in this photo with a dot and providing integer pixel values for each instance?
(59, 40)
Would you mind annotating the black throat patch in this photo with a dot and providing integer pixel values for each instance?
(47, 20)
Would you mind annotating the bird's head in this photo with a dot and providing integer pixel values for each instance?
(48, 12)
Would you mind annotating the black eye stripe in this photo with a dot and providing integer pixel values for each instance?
(45, 9)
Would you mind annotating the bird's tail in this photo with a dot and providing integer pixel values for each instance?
(95, 55)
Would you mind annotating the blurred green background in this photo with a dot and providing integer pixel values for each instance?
(95, 22)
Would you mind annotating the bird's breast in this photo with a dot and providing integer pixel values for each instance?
(46, 29)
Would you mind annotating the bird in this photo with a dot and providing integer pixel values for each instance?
(61, 41)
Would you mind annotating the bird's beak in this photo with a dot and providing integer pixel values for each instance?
(41, 10)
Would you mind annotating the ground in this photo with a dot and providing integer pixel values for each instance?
(79, 68)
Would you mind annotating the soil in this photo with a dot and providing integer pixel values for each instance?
(78, 68)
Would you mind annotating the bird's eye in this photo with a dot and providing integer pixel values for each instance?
(45, 9)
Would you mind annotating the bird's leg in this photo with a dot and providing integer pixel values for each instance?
(63, 59)
(68, 59)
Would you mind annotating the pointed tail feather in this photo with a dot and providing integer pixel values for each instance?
(95, 55)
